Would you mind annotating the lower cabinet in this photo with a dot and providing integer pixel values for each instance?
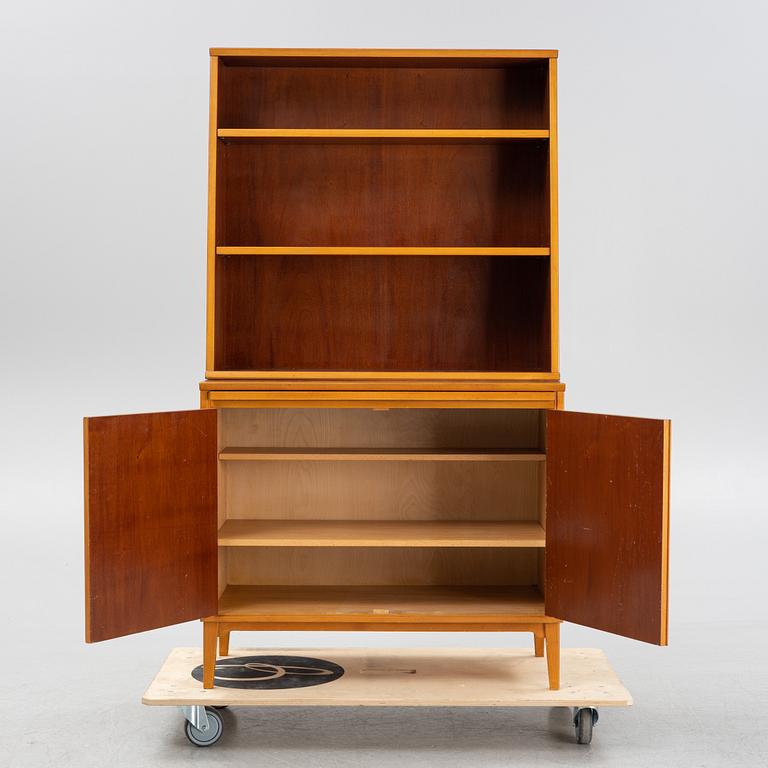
(470, 519)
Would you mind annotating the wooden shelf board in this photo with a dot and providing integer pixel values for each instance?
(380, 533)
(264, 380)
(382, 134)
(381, 603)
(375, 454)
(367, 381)
(303, 250)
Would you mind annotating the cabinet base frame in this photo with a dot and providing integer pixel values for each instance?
(545, 630)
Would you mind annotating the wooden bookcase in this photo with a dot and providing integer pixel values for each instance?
(381, 443)
(382, 211)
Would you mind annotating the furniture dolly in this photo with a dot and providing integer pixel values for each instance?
(499, 677)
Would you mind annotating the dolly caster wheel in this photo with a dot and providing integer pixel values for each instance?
(205, 737)
(584, 720)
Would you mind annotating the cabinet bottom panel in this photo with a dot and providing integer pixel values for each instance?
(381, 604)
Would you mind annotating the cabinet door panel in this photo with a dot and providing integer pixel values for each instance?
(150, 521)
(608, 523)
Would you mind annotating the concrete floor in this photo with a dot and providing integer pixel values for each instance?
(700, 702)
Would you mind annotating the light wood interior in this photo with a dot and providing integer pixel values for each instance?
(308, 428)
(379, 454)
(380, 533)
(383, 601)
(415, 677)
(366, 566)
(386, 490)
(334, 500)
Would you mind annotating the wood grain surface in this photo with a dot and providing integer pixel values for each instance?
(381, 533)
(365, 400)
(364, 490)
(388, 490)
(374, 566)
(382, 135)
(366, 603)
(245, 381)
(150, 521)
(461, 428)
(375, 454)
(382, 313)
(331, 152)
(607, 523)
(383, 194)
(369, 250)
(354, 96)
(427, 57)
(447, 677)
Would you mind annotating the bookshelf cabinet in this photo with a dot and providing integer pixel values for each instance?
(378, 211)
(381, 443)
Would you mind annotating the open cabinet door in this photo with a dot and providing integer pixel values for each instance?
(607, 524)
(150, 521)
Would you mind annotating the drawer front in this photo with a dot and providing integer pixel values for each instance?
(384, 400)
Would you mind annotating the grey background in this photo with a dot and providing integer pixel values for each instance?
(663, 263)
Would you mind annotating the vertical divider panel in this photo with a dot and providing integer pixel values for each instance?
(211, 256)
(553, 226)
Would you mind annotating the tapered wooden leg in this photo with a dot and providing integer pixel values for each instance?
(223, 642)
(210, 635)
(552, 634)
(538, 641)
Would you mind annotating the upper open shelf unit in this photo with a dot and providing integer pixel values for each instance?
(363, 90)
(408, 161)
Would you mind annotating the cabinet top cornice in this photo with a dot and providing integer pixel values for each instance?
(387, 53)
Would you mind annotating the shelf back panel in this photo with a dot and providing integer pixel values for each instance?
(382, 313)
(408, 95)
(408, 490)
(415, 428)
(359, 566)
(370, 490)
(383, 194)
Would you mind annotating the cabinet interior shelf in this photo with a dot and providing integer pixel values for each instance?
(380, 603)
(382, 134)
(380, 533)
(361, 250)
(376, 454)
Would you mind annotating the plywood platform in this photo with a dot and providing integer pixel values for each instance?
(509, 677)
